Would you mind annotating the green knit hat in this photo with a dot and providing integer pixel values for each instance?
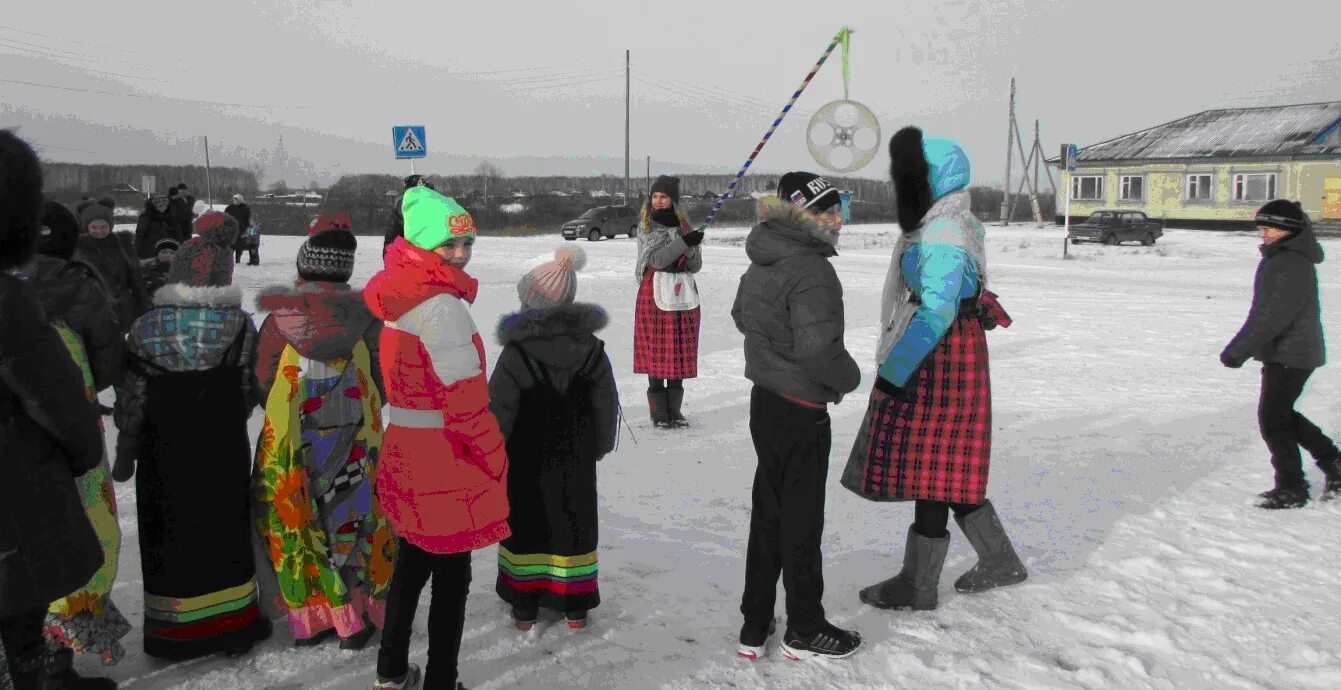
(432, 220)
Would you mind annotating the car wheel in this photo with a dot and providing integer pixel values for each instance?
(595, 235)
(633, 231)
(1075, 241)
(1148, 240)
(1110, 240)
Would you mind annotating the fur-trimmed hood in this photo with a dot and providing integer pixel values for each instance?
(556, 335)
(181, 295)
(787, 230)
(322, 321)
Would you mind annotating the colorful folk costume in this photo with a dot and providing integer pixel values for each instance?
(327, 539)
(182, 411)
(927, 435)
(554, 394)
(665, 342)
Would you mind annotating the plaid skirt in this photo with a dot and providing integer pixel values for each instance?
(665, 343)
(936, 443)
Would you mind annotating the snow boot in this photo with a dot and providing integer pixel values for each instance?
(754, 641)
(675, 398)
(44, 670)
(525, 616)
(1331, 469)
(1284, 498)
(915, 586)
(358, 640)
(998, 565)
(577, 620)
(315, 639)
(829, 642)
(409, 681)
(659, 408)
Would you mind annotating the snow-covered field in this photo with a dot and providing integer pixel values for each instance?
(1125, 463)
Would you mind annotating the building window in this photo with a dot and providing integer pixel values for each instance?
(1131, 188)
(1254, 186)
(1087, 188)
(1198, 187)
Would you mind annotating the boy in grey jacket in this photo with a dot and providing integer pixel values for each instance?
(790, 308)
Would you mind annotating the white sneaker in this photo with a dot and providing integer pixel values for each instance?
(409, 682)
(752, 646)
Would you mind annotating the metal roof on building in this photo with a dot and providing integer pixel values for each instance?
(1231, 133)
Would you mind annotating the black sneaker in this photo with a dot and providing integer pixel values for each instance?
(828, 642)
(1283, 499)
(754, 641)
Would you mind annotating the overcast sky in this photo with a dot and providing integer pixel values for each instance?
(538, 87)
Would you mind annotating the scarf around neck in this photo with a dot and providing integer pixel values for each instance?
(654, 235)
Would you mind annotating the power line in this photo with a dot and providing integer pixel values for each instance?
(543, 68)
(82, 68)
(558, 84)
(75, 55)
(96, 45)
(155, 97)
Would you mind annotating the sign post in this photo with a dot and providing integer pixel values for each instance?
(1068, 167)
(409, 142)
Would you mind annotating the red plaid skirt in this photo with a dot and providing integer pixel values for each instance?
(937, 445)
(665, 343)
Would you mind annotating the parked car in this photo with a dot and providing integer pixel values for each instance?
(1115, 226)
(602, 221)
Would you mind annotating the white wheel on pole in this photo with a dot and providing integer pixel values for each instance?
(843, 136)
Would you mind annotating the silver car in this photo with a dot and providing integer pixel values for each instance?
(602, 221)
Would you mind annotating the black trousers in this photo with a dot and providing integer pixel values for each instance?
(787, 511)
(22, 637)
(1284, 429)
(931, 518)
(253, 255)
(446, 613)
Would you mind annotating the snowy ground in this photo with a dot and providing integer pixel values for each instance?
(1125, 462)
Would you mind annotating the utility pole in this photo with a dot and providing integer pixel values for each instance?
(1010, 144)
(626, 128)
(209, 192)
(649, 176)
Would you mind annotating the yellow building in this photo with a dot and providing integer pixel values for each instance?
(1216, 167)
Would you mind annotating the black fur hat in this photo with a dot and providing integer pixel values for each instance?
(911, 173)
(60, 232)
(20, 200)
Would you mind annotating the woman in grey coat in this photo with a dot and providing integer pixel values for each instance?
(1284, 332)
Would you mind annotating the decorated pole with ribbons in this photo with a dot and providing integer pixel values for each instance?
(840, 39)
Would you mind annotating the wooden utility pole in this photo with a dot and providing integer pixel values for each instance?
(209, 192)
(626, 128)
(1010, 143)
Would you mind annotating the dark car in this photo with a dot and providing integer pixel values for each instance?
(1115, 226)
(602, 221)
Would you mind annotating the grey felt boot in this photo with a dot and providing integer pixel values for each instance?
(674, 399)
(915, 586)
(998, 565)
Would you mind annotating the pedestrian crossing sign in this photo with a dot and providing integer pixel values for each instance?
(409, 141)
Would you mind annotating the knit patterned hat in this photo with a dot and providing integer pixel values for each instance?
(328, 253)
(553, 283)
(1285, 215)
(432, 219)
(808, 190)
(90, 211)
(206, 260)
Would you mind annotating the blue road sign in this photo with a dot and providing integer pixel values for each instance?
(409, 141)
(1071, 157)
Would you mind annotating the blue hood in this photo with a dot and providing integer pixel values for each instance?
(949, 166)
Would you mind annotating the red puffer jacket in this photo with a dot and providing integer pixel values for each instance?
(442, 479)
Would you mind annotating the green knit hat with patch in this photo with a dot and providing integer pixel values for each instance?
(432, 219)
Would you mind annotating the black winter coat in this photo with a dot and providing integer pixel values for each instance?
(790, 307)
(120, 272)
(559, 340)
(242, 214)
(49, 434)
(155, 225)
(1284, 324)
(71, 293)
(179, 210)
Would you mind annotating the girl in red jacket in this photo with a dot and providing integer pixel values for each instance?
(442, 480)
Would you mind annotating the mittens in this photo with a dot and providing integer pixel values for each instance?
(693, 239)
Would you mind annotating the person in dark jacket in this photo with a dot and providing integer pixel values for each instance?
(154, 271)
(396, 228)
(553, 391)
(181, 212)
(790, 307)
(100, 247)
(155, 223)
(247, 242)
(1284, 332)
(48, 436)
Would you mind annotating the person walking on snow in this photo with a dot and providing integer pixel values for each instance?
(927, 435)
(442, 477)
(790, 307)
(1284, 332)
(246, 241)
(665, 342)
(156, 223)
(182, 410)
(317, 365)
(554, 394)
(102, 249)
(76, 304)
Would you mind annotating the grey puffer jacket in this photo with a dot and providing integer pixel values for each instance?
(790, 307)
(1284, 325)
